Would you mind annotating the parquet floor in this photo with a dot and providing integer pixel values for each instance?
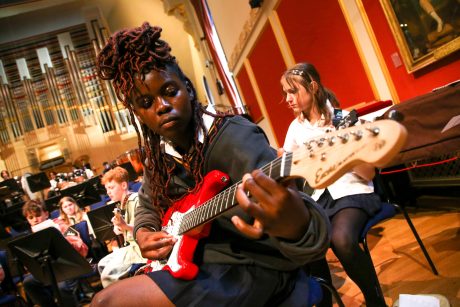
(399, 261)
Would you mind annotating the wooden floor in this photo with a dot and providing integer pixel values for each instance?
(399, 261)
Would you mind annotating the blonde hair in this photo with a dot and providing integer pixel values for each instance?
(63, 216)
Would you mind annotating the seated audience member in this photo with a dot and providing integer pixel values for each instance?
(68, 180)
(5, 174)
(70, 213)
(350, 201)
(36, 214)
(53, 180)
(117, 265)
(53, 189)
(29, 195)
(106, 167)
(88, 171)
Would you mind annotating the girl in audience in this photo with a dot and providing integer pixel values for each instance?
(71, 213)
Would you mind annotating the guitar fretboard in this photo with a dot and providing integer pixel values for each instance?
(225, 200)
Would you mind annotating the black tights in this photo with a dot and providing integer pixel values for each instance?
(346, 229)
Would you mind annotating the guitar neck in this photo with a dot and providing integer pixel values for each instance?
(225, 200)
(320, 161)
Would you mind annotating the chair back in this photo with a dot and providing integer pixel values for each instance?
(97, 205)
(315, 293)
(387, 211)
(135, 186)
(54, 214)
(82, 228)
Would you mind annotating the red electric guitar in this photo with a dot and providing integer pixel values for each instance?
(320, 161)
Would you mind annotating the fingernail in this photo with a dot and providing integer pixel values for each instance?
(246, 177)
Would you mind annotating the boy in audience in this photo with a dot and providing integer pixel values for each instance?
(118, 264)
(38, 217)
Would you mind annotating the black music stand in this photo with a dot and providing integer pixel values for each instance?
(38, 182)
(11, 184)
(52, 203)
(95, 182)
(50, 258)
(84, 194)
(131, 171)
(100, 219)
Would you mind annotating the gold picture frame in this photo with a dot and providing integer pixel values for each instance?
(425, 30)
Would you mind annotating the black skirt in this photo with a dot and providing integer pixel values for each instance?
(369, 203)
(235, 285)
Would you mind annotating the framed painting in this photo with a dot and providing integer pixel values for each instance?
(425, 30)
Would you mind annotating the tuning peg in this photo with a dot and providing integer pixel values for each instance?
(320, 142)
(374, 130)
(395, 115)
(332, 140)
(344, 137)
(358, 134)
(323, 156)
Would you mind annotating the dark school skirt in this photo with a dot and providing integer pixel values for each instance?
(235, 285)
(369, 203)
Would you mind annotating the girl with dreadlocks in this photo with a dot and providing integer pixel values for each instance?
(253, 252)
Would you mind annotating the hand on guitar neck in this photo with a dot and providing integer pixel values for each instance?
(270, 218)
(119, 223)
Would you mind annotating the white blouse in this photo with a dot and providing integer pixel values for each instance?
(299, 132)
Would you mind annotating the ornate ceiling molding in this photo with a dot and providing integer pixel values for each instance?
(244, 37)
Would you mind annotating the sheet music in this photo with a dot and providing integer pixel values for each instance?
(45, 224)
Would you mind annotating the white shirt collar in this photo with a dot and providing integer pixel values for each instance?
(207, 119)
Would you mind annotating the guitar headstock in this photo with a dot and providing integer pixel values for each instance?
(324, 159)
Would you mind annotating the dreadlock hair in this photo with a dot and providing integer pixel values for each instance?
(304, 74)
(129, 55)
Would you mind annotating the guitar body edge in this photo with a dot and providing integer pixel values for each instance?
(180, 263)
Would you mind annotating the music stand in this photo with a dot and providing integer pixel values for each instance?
(52, 203)
(38, 182)
(97, 185)
(100, 219)
(50, 258)
(11, 184)
(131, 172)
(84, 194)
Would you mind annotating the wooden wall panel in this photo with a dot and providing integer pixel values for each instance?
(249, 97)
(268, 65)
(421, 81)
(318, 33)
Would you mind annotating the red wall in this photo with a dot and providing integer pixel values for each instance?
(420, 82)
(267, 64)
(318, 33)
